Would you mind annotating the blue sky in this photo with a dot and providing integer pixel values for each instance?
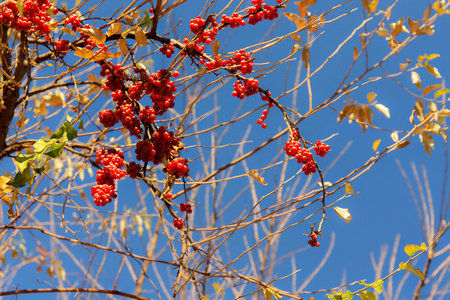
(383, 208)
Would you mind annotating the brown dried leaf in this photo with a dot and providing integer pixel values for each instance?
(348, 109)
(366, 4)
(355, 53)
(371, 96)
(414, 26)
(310, 2)
(403, 144)
(419, 109)
(404, 65)
(296, 37)
(305, 56)
(254, 175)
(215, 47)
(397, 27)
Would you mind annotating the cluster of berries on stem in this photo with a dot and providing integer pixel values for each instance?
(313, 241)
(250, 87)
(112, 160)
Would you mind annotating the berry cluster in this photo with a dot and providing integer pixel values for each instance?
(161, 90)
(196, 24)
(74, 20)
(294, 148)
(135, 91)
(212, 65)
(313, 241)
(62, 47)
(321, 148)
(87, 40)
(178, 223)
(241, 61)
(104, 191)
(107, 118)
(257, 13)
(235, 20)
(133, 169)
(249, 88)
(186, 207)
(144, 151)
(115, 76)
(164, 143)
(125, 113)
(147, 114)
(263, 117)
(167, 50)
(177, 167)
(32, 19)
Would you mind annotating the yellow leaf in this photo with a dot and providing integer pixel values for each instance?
(433, 71)
(296, 38)
(382, 31)
(343, 213)
(219, 289)
(107, 55)
(68, 30)
(96, 34)
(349, 189)
(415, 78)
(254, 175)
(371, 96)
(428, 142)
(115, 28)
(419, 109)
(129, 20)
(291, 16)
(366, 4)
(383, 109)
(376, 144)
(123, 46)
(4, 188)
(410, 250)
(268, 293)
(83, 52)
(404, 65)
(302, 8)
(373, 5)
(141, 38)
(410, 268)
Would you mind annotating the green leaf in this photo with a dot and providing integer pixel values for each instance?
(410, 268)
(367, 295)
(41, 145)
(55, 150)
(39, 170)
(81, 125)
(413, 249)
(65, 133)
(377, 285)
(146, 22)
(22, 161)
(21, 178)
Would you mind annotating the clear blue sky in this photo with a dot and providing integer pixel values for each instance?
(383, 207)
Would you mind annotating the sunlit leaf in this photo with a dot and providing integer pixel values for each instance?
(394, 136)
(415, 78)
(419, 109)
(310, 2)
(141, 38)
(269, 294)
(433, 71)
(300, 23)
(291, 16)
(343, 213)
(441, 92)
(115, 28)
(383, 109)
(339, 296)
(376, 144)
(410, 268)
(68, 30)
(366, 5)
(430, 88)
(382, 31)
(428, 142)
(377, 285)
(123, 46)
(254, 175)
(83, 52)
(410, 250)
(373, 5)
(96, 34)
(326, 183)
(367, 295)
(349, 189)
(302, 8)
(404, 65)
(355, 52)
